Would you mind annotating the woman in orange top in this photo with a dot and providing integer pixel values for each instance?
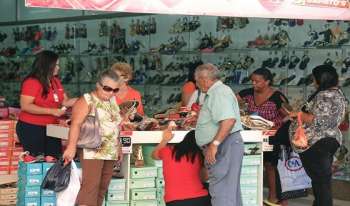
(127, 93)
(190, 86)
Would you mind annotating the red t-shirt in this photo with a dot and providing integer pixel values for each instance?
(132, 94)
(32, 87)
(182, 179)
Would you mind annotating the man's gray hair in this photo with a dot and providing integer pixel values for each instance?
(108, 74)
(209, 71)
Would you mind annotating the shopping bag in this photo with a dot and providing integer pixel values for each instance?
(57, 177)
(68, 196)
(294, 180)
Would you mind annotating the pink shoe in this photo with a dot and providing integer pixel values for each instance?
(50, 159)
(27, 158)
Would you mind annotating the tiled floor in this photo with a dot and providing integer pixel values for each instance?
(307, 201)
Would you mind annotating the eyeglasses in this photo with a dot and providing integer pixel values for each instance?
(109, 89)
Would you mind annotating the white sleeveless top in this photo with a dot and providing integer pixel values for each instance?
(109, 118)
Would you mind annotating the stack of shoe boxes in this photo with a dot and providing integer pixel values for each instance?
(160, 184)
(9, 151)
(30, 177)
(249, 176)
(143, 190)
(116, 195)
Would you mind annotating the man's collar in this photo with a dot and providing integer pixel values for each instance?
(216, 84)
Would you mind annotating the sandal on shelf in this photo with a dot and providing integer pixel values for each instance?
(267, 202)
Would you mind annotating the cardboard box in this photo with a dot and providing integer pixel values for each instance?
(116, 195)
(117, 184)
(251, 160)
(27, 169)
(144, 194)
(29, 191)
(143, 172)
(7, 124)
(30, 180)
(142, 183)
(117, 203)
(160, 182)
(48, 193)
(160, 172)
(144, 203)
(250, 170)
(48, 201)
(6, 170)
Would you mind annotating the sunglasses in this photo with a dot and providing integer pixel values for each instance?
(109, 89)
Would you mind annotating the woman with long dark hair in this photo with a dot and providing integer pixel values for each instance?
(42, 101)
(182, 169)
(321, 116)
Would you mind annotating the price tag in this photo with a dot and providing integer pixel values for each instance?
(126, 144)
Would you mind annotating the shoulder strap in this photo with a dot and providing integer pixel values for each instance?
(198, 95)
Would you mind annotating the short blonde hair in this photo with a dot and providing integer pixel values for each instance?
(124, 69)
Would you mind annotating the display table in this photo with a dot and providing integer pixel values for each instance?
(251, 177)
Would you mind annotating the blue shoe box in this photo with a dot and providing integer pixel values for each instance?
(48, 201)
(29, 192)
(48, 193)
(46, 167)
(30, 169)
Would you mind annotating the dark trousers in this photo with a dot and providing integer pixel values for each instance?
(34, 140)
(317, 162)
(200, 201)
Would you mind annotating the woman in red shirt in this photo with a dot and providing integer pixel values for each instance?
(42, 101)
(182, 167)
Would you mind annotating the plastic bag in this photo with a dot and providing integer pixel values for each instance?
(300, 139)
(68, 196)
(57, 177)
(294, 180)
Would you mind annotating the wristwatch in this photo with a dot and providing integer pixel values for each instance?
(216, 142)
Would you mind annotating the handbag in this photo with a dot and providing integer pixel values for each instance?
(89, 137)
(300, 138)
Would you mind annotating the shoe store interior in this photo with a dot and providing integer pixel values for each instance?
(162, 49)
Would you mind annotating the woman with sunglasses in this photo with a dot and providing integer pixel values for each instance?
(127, 93)
(97, 164)
(42, 101)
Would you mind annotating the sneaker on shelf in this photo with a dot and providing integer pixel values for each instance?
(50, 159)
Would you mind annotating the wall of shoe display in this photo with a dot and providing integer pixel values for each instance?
(162, 48)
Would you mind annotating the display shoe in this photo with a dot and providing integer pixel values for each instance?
(268, 203)
(287, 80)
(50, 159)
(294, 60)
(304, 62)
(346, 82)
(274, 62)
(266, 63)
(27, 158)
(301, 81)
(328, 62)
(284, 61)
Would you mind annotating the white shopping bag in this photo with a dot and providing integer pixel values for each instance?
(292, 174)
(68, 196)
